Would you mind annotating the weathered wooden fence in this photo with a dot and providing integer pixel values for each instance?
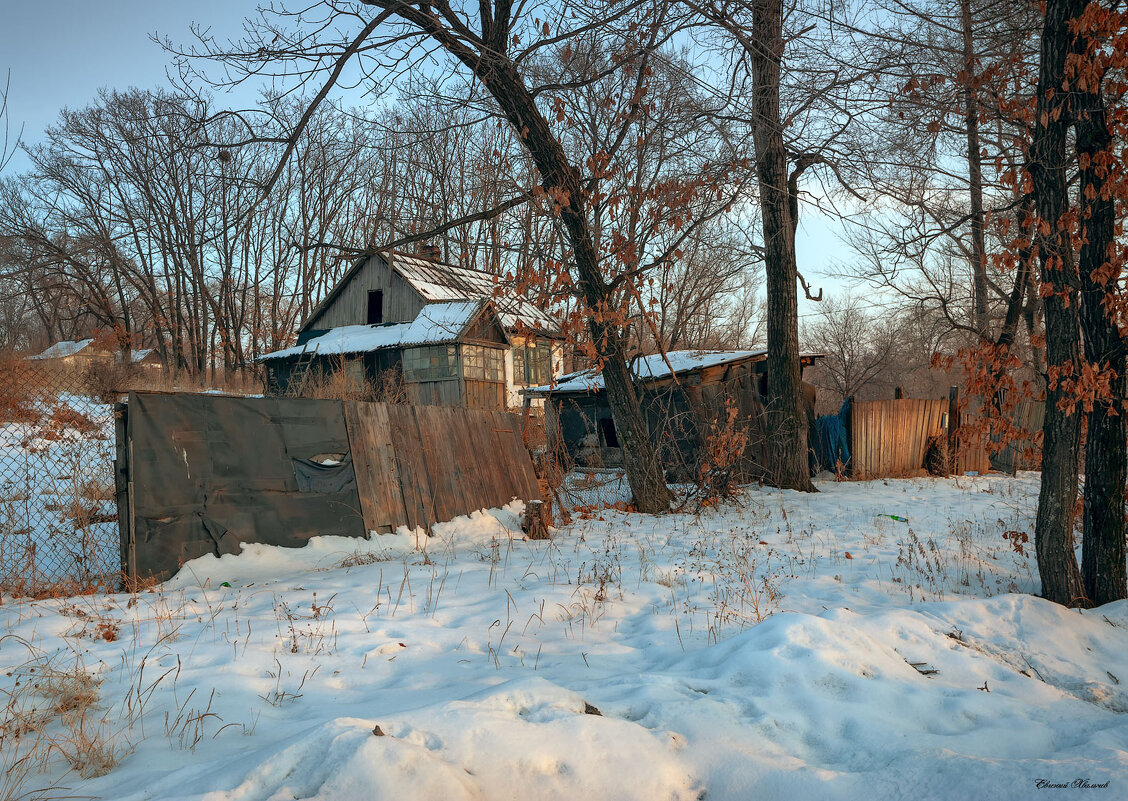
(200, 474)
(419, 465)
(1023, 451)
(889, 438)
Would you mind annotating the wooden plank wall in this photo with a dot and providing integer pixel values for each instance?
(1021, 451)
(485, 394)
(973, 453)
(420, 465)
(401, 302)
(888, 438)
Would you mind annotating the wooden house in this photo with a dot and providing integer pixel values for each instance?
(80, 354)
(76, 355)
(686, 397)
(147, 360)
(392, 287)
(451, 354)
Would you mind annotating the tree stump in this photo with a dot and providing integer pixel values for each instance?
(536, 523)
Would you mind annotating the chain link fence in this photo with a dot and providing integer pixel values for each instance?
(58, 517)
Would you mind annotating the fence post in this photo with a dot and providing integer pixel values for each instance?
(851, 467)
(535, 525)
(898, 393)
(953, 426)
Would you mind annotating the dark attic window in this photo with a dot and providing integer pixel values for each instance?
(375, 307)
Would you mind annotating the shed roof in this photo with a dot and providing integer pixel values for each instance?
(139, 355)
(61, 350)
(436, 324)
(654, 367)
(437, 282)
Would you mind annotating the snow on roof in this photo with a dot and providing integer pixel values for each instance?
(139, 355)
(61, 350)
(441, 322)
(439, 282)
(654, 366)
(436, 324)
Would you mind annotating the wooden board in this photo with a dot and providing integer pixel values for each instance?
(415, 484)
(374, 459)
(889, 438)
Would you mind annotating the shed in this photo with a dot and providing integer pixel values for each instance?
(147, 359)
(392, 287)
(685, 396)
(450, 354)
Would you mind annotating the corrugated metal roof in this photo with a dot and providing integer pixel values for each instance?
(438, 282)
(654, 366)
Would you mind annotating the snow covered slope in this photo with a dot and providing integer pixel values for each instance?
(790, 646)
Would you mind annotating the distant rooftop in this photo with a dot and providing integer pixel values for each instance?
(655, 366)
(61, 350)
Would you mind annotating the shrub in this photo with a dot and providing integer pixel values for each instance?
(108, 380)
(937, 459)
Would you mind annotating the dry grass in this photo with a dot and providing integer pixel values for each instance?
(359, 558)
(50, 713)
(336, 383)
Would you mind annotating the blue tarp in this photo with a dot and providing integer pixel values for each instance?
(832, 444)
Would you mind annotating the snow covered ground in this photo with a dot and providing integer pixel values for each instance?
(787, 646)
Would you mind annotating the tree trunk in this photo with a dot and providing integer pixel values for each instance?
(1061, 578)
(1106, 448)
(975, 173)
(562, 181)
(787, 440)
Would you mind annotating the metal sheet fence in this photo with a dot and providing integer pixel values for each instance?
(58, 531)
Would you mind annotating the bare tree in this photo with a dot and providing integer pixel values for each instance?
(496, 47)
(860, 347)
(1061, 442)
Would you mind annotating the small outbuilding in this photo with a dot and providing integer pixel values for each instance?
(80, 354)
(145, 359)
(72, 355)
(687, 396)
(451, 354)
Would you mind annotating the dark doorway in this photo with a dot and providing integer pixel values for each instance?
(375, 306)
(607, 426)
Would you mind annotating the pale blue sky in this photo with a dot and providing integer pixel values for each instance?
(62, 52)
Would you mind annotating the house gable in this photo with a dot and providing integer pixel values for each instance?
(409, 283)
(348, 303)
(486, 328)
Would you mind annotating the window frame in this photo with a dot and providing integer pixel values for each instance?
(422, 364)
(483, 363)
(541, 372)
